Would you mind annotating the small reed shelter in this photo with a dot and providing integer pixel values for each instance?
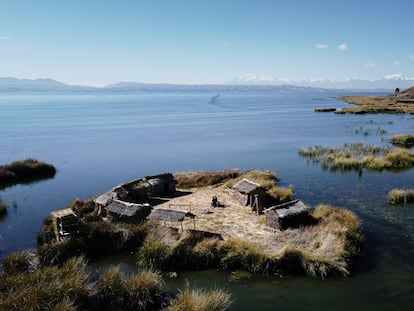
(290, 214)
(127, 212)
(171, 215)
(249, 193)
(65, 223)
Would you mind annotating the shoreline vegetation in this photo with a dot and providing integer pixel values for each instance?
(25, 172)
(401, 196)
(403, 140)
(400, 102)
(324, 246)
(359, 157)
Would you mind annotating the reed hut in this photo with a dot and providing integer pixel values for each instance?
(65, 223)
(171, 215)
(127, 212)
(290, 214)
(161, 185)
(249, 193)
(136, 191)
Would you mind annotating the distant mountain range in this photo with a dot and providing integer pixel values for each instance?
(10, 84)
(388, 83)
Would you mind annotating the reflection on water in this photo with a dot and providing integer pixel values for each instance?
(98, 142)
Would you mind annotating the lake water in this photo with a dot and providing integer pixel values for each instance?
(99, 141)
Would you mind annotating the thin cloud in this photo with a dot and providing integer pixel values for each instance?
(370, 65)
(387, 54)
(5, 37)
(343, 47)
(226, 43)
(411, 56)
(397, 63)
(321, 46)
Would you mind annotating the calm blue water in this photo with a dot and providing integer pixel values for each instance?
(96, 142)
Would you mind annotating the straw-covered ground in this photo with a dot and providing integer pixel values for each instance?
(231, 237)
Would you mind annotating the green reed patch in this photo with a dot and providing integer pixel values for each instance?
(359, 157)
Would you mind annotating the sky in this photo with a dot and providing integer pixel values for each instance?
(99, 42)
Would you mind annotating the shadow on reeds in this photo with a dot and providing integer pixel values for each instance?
(25, 172)
(3, 210)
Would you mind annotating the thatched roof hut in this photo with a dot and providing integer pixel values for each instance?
(136, 191)
(127, 212)
(163, 184)
(249, 193)
(65, 222)
(167, 214)
(290, 214)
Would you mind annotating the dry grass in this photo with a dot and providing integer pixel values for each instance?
(136, 292)
(375, 104)
(203, 178)
(401, 196)
(15, 263)
(201, 300)
(47, 288)
(325, 248)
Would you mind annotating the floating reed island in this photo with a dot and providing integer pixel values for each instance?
(400, 102)
(404, 140)
(228, 220)
(26, 171)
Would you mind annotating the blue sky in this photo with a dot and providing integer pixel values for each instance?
(97, 42)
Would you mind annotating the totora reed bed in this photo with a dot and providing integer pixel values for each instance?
(70, 287)
(401, 196)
